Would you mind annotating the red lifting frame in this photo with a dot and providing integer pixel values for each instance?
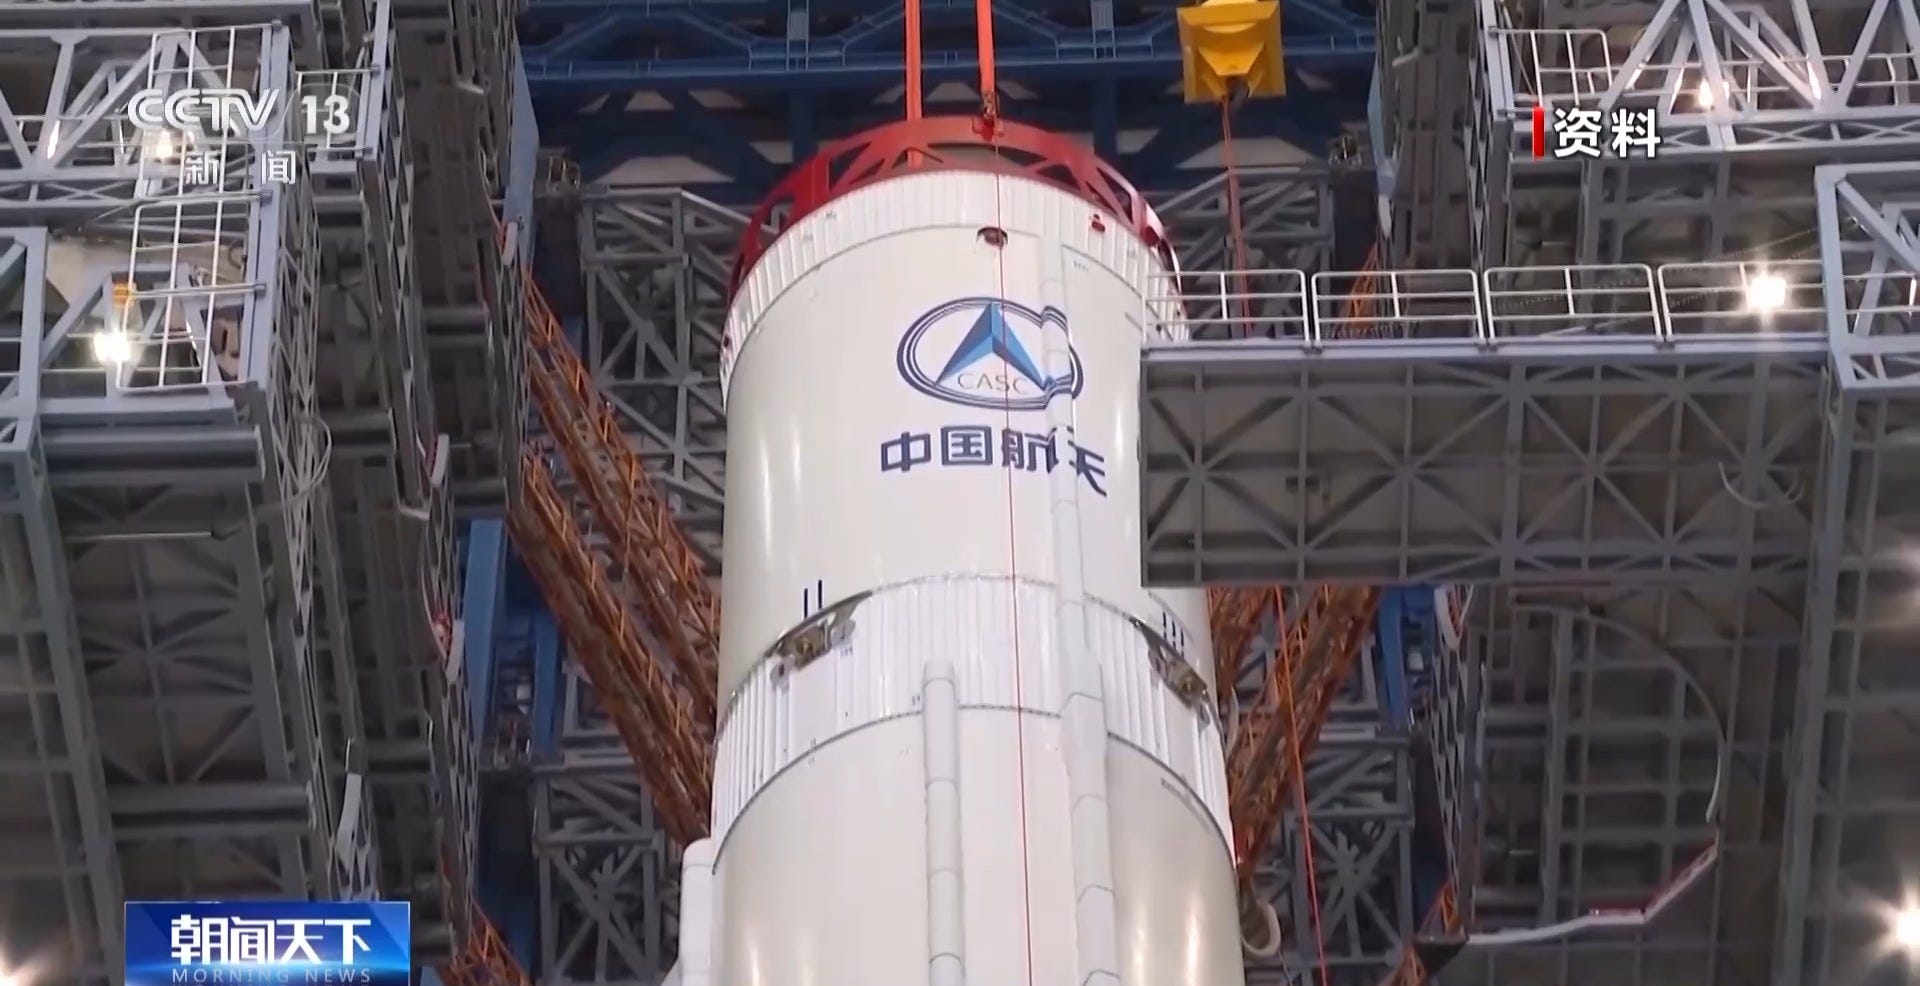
(917, 145)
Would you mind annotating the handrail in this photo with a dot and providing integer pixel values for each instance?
(1671, 305)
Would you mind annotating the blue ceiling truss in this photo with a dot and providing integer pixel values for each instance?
(813, 71)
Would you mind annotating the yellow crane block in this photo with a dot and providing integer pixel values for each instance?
(1226, 44)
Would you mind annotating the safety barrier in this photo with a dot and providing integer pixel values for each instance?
(1578, 67)
(1503, 307)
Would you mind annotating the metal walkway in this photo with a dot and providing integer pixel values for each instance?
(1685, 651)
(1742, 433)
(1544, 425)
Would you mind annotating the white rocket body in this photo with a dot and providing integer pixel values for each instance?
(960, 742)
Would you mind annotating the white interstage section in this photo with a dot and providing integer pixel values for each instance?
(960, 742)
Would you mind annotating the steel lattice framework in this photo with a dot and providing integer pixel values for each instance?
(744, 89)
(1688, 509)
(1676, 688)
(230, 592)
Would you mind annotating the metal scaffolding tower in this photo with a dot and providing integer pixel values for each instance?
(230, 593)
(1657, 413)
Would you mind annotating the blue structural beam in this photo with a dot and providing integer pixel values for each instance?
(1390, 661)
(514, 673)
(1408, 643)
(585, 47)
(800, 74)
(522, 660)
(729, 141)
(523, 158)
(1408, 634)
(486, 561)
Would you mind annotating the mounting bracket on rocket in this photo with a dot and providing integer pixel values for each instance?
(1172, 667)
(815, 635)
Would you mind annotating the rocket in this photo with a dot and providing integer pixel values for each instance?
(960, 742)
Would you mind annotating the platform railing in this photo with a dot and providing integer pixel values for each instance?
(1576, 67)
(1672, 305)
(1742, 299)
(1549, 67)
(335, 113)
(1394, 304)
(1270, 303)
(1613, 300)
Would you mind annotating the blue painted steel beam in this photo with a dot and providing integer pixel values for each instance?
(504, 619)
(486, 560)
(1390, 660)
(1324, 12)
(527, 684)
(599, 141)
(817, 79)
(709, 51)
(1327, 18)
(1408, 635)
(1408, 631)
(1139, 58)
(549, 687)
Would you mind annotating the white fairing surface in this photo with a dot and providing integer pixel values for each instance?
(908, 437)
(824, 879)
(816, 395)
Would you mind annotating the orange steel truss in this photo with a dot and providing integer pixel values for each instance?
(659, 569)
(1318, 650)
(629, 594)
(606, 559)
(1444, 919)
(649, 712)
(485, 961)
(1319, 647)
(1234, 617)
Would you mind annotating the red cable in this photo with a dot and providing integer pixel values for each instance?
(989, 111)
(1239, 325)
(1243, 327)
(913, 59)
(1013, 565)
(1300, 796)
(983, 30)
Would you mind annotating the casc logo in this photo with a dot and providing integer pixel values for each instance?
(987, 352)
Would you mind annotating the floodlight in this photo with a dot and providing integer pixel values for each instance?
(1766, 293)
(111, 348)
(1906, 928)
